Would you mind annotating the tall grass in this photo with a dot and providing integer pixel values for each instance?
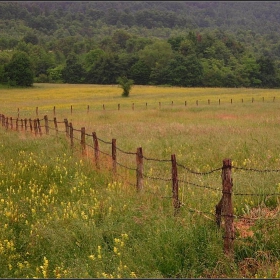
(61, 217)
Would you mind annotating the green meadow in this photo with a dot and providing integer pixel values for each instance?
(62, 217)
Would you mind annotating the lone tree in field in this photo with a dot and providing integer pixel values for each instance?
(126, 84)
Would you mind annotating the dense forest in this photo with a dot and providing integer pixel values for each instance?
(209, 44)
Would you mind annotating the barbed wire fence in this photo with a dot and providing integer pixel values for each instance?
(109, 159)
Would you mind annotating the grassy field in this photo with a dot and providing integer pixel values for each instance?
(61, 217)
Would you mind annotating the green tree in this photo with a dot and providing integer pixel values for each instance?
(19, 70)
(126, 84)
(73, 72)
(140, 73)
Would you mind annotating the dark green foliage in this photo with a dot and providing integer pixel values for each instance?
(226, 44)
(73, 72)
(19, 70)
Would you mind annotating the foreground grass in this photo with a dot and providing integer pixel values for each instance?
(62, 218)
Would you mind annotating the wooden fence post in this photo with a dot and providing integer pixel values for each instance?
(231, 101)
(146, 105)
(7, 122)
(35, 126)
(133, 106)
(55, 125)
(252, 99)
(208, 101)
(39, 127)
(66, 127)
(139, 169)
(119, 106)
(30, 124)
(37, 111)
(25, 124)
(219, 101)
(71, 135)
(16, 124)
(71, 109)
(18, 112)
(96, 149)
(225, 208)
(83, 140)
(46, 124)
(159, 105)
(11, 119)
(54, 110)
(263, 99)
(87, 108)
(196, 102)
(176, 202)
(103, 107)
(114, 156)
(185, 103)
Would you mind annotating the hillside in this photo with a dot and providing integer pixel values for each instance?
(223, 44)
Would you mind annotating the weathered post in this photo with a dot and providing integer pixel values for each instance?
(146, 105)
(16, 124)
(83, 140)
(114, 156)
(71, 109)
(11, 124)
(54, 110)
(227, 208)
(18, 112)
(39, 127)
(30, 124)
(119, 106)
(35, 126)
(252, 99)
(25, 124)
(185, 103)
(139, 169)
(219, 101)
(96, 149)
(7, 122)
(71, 135)
(37, 111)
(21, 120)
(87, 108)
(159, 105)
(176, 202)
(66, 127)
(196, 102)
(133, 106)
(208, 101)
(55, 125)
(46, 124)
(103, 107)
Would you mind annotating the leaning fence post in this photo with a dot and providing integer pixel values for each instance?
(16, 124)
(7, 122)
(71, 134)
(25, 124)
(39, 127)
(66, 127)
(30, 124)
(114, 156)
(96, 149)
(139, 169)
(55, 125)
(35, 126)
(46, 124)
(11, 122)
(83, 139)
(176, 202)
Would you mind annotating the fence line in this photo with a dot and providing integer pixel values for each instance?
(224, 208)
(185, 104)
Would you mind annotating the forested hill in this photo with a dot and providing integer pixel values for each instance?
(222, 43)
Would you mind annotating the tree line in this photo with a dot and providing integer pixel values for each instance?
(89, 42)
